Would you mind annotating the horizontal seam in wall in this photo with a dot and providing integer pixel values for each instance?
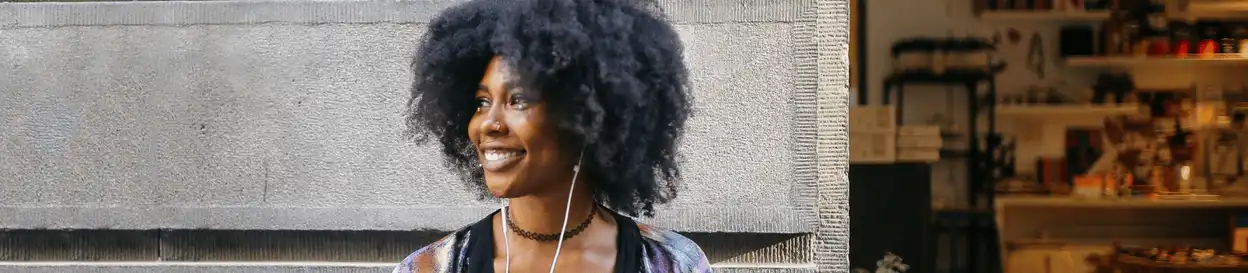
(279, 23)
(785, 220)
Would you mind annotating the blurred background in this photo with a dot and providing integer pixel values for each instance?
(1037, 136)
(265, 136)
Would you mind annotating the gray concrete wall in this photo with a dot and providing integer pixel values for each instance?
(286, 115)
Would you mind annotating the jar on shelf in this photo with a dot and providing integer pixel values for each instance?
(1240, 34)
(1227, 42)
(1158, 46)
(1155, 20)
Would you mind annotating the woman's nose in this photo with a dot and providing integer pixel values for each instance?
(494, 124)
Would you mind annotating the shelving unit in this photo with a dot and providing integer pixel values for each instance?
(1136, 61)
(977, 157)
(978, 162)
(1084, 226)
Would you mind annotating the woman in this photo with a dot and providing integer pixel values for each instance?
(568, 109)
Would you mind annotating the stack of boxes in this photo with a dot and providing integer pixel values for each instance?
(919, 143)
(875, 138)
(872, 135)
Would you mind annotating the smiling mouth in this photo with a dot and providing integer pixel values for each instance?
(501, 159)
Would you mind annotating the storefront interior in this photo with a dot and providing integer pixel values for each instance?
(1046, 136)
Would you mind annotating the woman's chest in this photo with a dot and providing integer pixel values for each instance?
(536, 263)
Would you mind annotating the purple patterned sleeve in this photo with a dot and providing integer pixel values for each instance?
(407, 264)
(670, 252)
(434, 258)
(687, 256)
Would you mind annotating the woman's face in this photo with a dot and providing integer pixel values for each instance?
(516, 141)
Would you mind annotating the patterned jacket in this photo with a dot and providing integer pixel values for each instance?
(471, 250)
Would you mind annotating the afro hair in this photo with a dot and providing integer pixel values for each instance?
(612, 70)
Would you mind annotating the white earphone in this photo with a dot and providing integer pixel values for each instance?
(576, 170)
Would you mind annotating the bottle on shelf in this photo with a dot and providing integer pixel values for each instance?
(1227, 42)
(1240, 34)
(1112, 35)
(1208, 46)
(1155, 30)
(1186, 179)
(1133, 44)
(1183, 35)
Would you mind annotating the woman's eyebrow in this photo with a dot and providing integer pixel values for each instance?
(512, 86)
(519, 88)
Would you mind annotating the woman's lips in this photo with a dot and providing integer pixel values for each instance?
(496, 160)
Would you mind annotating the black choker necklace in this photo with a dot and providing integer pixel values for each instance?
(550, 237)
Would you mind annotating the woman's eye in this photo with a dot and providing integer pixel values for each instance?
(483, 104)
(519, 102)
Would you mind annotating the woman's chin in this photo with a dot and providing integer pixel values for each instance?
(498, 194)
(500, 191)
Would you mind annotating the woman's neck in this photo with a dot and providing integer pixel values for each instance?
(543, 213)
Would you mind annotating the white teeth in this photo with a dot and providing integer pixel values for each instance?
(494, 155)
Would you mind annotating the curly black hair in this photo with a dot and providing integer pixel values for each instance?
(612, 71)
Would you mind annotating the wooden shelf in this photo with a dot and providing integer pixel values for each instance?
(1043, 16)
(1057, 201)
(1196, 10)
(1133, 61)
(1065, 111)
(1219, 9)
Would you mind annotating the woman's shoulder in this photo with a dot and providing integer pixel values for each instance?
(668, 249)
(435, 257)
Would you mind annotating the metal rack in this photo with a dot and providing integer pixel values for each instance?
(963, 224)
(979, 161)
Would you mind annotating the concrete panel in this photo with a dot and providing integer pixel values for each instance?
(192, 115)
(288, 117)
